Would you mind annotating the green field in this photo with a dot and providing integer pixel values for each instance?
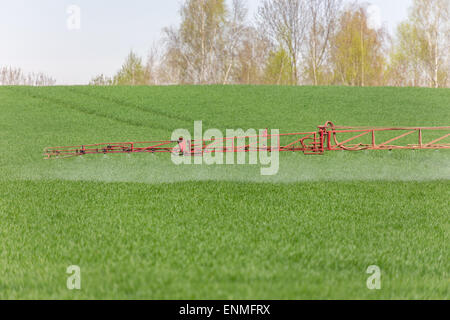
(142, 228)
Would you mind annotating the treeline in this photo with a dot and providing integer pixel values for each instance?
(15, 76)
(291, 42)
(287, 42)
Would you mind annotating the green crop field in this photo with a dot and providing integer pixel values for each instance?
(141, 227)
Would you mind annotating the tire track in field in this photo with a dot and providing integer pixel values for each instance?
(72, 106)
(120, 102)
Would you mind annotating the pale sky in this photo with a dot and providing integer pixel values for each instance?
(43, 35)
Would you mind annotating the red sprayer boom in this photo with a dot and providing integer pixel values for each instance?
(328, 138)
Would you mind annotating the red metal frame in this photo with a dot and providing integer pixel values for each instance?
(391, 134)
(311, 143)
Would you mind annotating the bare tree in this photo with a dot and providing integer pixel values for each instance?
(15, 76)
(323, 16)
(39, 79)
(153, 65)
(177, 64)
(285, 22)
(252, 57)
(101, 80)
(196, 47)
(11, 76)
(431, 23)
(235, 29)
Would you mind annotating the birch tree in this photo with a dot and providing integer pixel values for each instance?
(405, 68)
(252, 57)
(197, 45)
(235, 29)
(285, 23)
(358, 51)
(431, 24)
(322, 18)
(153, 66)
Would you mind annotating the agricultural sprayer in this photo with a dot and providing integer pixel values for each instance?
(328, 137)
